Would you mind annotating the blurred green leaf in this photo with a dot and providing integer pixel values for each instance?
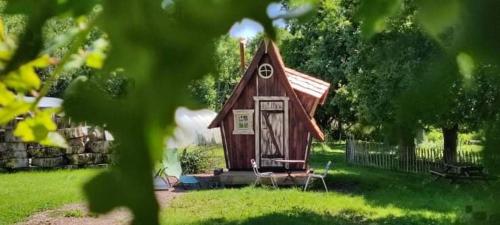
(113, 198)
(479, 30)
(30, 42)
(438, 15)
(2, 31)
(161, 50)
(165, 46)
(96, 55)
(39, 11)
(6, 96)
(374, 14)
(40, 128)
(95, 60)
(25, 78)
(41, 62)
(76, 7)
(54, 139)
(466, 65)
(12, 109)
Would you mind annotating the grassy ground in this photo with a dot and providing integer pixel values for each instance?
(24, 193)
(358, 196)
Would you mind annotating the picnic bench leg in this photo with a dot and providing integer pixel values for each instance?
(273, 182)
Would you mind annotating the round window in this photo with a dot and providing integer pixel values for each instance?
(266, 70)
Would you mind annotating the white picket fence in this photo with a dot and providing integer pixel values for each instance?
(419, 160)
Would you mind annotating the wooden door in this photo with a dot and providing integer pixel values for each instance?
(273, 134)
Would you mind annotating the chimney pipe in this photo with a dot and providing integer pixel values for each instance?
(242, 55)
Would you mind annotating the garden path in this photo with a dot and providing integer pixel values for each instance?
(78, 214)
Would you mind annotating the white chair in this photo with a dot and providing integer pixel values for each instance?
(260, 175)
(312, 176)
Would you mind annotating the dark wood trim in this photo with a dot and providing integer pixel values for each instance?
(308, 149)
(274, 53)
(323, 98)
(224, 145)
(313, 110)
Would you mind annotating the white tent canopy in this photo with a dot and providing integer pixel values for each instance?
(46, 102)
(192, 128)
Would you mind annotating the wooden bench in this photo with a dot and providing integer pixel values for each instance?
(461, 172)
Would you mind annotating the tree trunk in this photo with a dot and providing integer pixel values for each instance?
(450, 136)
(340, 131)
(407, 147)
(406, 143)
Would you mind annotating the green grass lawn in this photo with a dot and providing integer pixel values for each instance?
(357, 196)
(24, 193)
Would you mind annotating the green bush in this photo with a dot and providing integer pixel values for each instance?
(194, 160)
(202, 159)
(434, 135)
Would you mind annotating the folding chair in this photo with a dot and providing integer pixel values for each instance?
(260, 175)
(312, 176)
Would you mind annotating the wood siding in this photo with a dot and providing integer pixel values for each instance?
(310, 103)
(241, 148)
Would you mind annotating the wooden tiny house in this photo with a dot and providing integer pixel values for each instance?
(270, 114)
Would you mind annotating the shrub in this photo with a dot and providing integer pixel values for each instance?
(434, 135)
(194, 161)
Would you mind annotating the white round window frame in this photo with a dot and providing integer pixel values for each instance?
(271, 73)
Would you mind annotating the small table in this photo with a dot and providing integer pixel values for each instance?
(288, 170)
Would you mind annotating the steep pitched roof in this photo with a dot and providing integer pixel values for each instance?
(308, 84)
(299, 80)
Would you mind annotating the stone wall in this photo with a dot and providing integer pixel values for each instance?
(87, 146)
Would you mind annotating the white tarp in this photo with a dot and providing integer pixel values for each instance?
(46, 102)
(192, 128)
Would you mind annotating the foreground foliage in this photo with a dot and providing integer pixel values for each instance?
(169, 45)
(163, 49)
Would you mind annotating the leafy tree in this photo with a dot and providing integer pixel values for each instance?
(442, 94)
(389, 65)
(215, 88)
(324, 46)
(376, 79)
(468, 31)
